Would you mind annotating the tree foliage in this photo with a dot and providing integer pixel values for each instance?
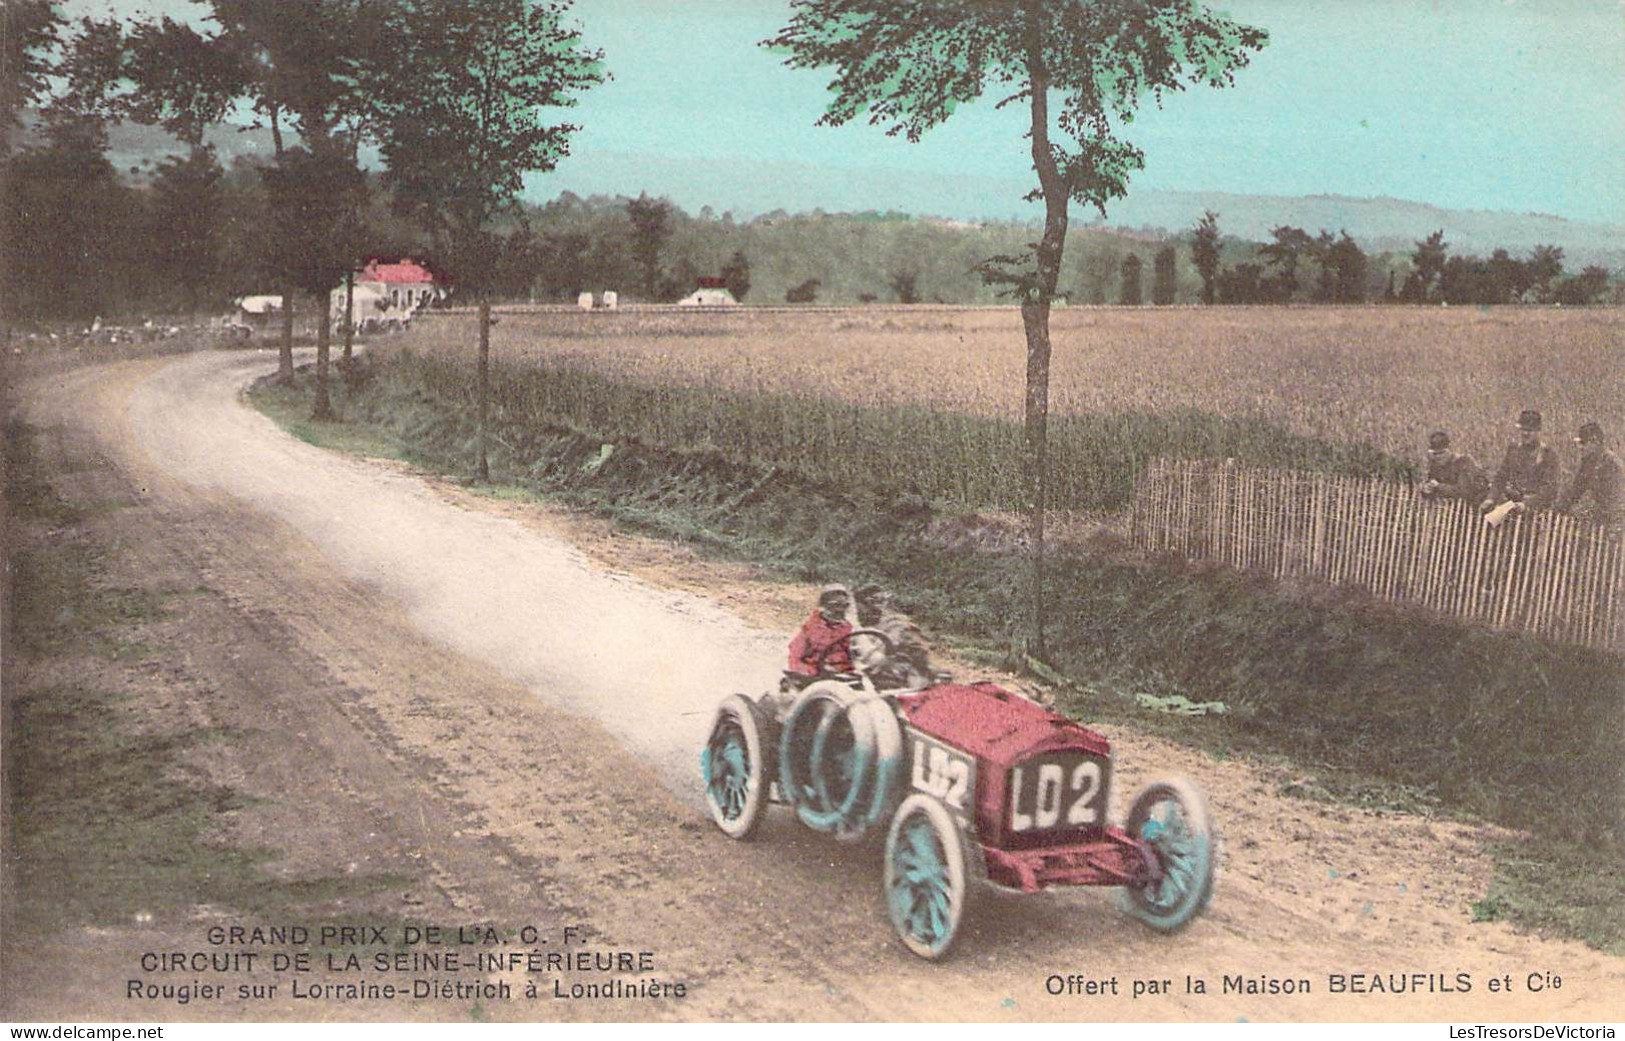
(804, 293)
(465, 97)
(1286, 248)
(1345, 264)
(185, 82)
(905, 285)
(1205, 253)
(908, 64)
(736, 275)
(67, 219)
(1164, 276)
(315, 199)
(185, 217)
(651, 230)
(1427, 267)
(29, 29)
(1129, 294)
(1544, 265)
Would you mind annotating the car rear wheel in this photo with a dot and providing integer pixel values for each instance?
(735, 767)
(839, 756)
(1170, 819)
(928, 876)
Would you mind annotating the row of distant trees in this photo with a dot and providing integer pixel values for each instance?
(1296, 266)
(193, 234)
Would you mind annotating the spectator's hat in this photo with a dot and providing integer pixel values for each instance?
(1590, 433)
(1529, 419)
(1438, 441)
(869, 591)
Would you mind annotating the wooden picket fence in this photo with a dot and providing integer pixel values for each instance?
(1542, 572)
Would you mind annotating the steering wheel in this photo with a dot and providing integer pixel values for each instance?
(885, 643)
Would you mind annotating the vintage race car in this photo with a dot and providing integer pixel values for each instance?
(970, 784)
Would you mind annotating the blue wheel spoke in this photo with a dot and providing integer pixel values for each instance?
(728, 765)
(921, 898)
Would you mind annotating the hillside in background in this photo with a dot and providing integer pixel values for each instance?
(748, 188)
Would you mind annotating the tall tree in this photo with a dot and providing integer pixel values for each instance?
(315, 200)
(651, 230)
(1129, 293)
(1205, 253)
(64, 212)
(1427, 267)
(1585, 288)
(1508, 277)
(1164, 276)
(1347, 263)
(1320, 250)
(1242, 284)
(1098, 272)
(29, 30)
(564, 266)
(736, 275)
(1544, 265)
(1464, 281)
(1287, 246)
(905, 285)
(465, 101)
(184, 222)
(909, 63)
(68, 219)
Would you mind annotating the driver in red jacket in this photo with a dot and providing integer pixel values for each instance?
(826, 629)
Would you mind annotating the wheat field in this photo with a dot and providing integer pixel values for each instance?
(932, 397)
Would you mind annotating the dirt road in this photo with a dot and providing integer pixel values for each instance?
(447, 682)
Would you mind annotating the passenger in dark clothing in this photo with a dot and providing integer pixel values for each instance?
(1599, 474)
(1529, 472)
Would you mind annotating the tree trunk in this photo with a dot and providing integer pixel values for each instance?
(1035, 322)
(284, 366)
(323, 408)
(1035, 308)
(349, 328)
(484, 467)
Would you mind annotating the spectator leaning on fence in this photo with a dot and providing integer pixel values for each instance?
(1452, 475)
(1599, 474)
(1529, 472)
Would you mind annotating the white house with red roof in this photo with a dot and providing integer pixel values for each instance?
(388, 293)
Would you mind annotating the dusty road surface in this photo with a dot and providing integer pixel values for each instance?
(448, 684)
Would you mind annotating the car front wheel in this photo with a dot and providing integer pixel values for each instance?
(928, 876)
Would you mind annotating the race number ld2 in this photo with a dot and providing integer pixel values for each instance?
(1067, 791)
(943, 772)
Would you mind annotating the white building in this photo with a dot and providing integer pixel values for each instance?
(386, 295)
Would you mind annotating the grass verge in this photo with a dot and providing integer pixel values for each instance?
(1370, 705)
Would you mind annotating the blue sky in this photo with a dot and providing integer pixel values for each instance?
(1472, 104)
(1511, 105)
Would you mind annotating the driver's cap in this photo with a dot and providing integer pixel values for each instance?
(833, 594)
